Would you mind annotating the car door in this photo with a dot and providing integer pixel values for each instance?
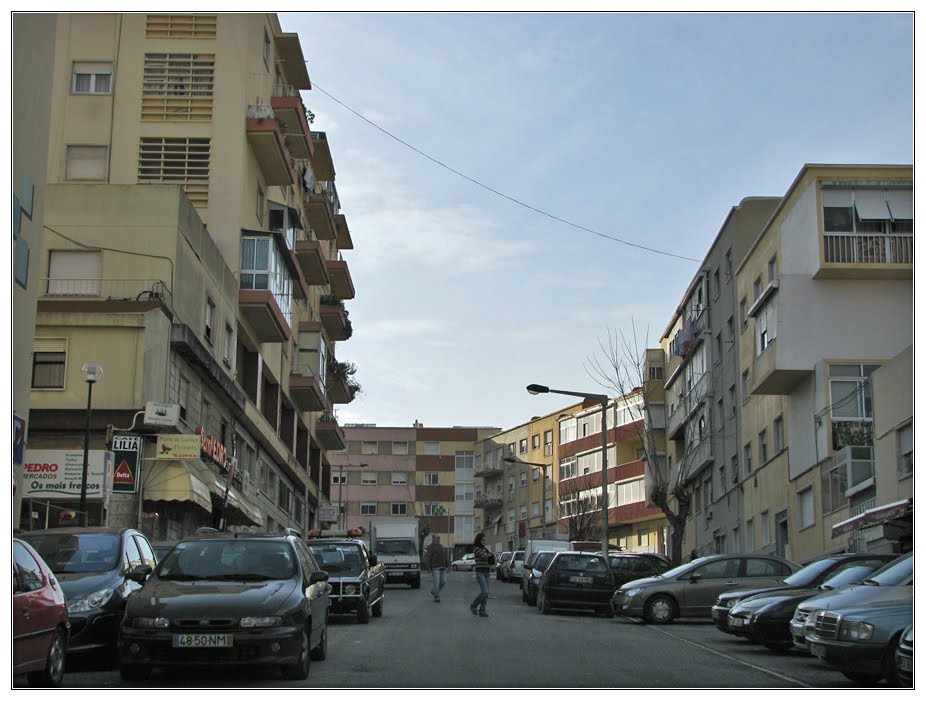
(131, 558)
(315, 593)
(33, 618)
(704, 583)
(763, 572)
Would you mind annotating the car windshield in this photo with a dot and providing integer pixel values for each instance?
(77, 552)
(897, 572)
(542, 560)
(852, 574)
(808, 574)
(227, 559)
(395, 547)
(519, 555)
(339, 560)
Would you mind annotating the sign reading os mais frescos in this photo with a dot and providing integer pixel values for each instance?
(57, 474)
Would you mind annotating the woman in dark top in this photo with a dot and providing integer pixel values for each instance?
(484, 561)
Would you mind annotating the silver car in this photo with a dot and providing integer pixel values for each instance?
(691, 589)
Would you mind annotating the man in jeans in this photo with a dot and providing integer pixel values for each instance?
(435, 562)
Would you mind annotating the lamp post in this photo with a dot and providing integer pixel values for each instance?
(341, 515)
(603, 399)
(93, 373)
(543, 476)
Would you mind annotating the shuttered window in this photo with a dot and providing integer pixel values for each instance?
(49, 362)
(75, 273)
(181, 26)
(178, 87)
(182, 160)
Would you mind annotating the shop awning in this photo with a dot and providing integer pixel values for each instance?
(175, 480)
(876, 516)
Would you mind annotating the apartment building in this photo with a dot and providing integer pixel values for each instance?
(825, 299)
(194, 249)
(409, 472)
(701, 387)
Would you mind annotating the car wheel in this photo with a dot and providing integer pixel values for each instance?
(777, 647)
(861, 678)
(378, 606)
(133, 672)
(660, 609)
(363, 612)
(320, 651)
(889, 667)
(299, 670)
(543, 603)
(53, 672)
(417, 583)
(523, 595)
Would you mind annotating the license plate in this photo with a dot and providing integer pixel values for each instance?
(203, 639)
(395, 574)
(581, 580)
(737, 622)
(817, 650)
(905, 664)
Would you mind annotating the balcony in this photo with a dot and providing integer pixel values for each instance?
(106, 289)
(338, 390)
(770, 377)
(261, 311)
(309, 256)
(305, 388)
(859, 465)
(329, 433)
(345, 242)
(269, 145)
(339, 274)
(688, 404)
(867, 256)
(321, 218)
(488, 501)
(288, 107)
(322, 165)
(335, 319)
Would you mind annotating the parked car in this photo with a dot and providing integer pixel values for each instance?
(576, 580)
(501, 560)
(161, 549)
(861, 640)
(357, 579)
(93, 566)
(810, 577)
(765, 618)
(229, 601)
(630, 566)
(467, 562)
(883, 585)
(532, 571)
(903, 658)
(690, 589)
(512, 569)
(40, 619)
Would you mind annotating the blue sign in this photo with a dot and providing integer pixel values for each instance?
(19, 439)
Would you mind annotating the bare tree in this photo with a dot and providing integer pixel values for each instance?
(620, 367)
(585, 524)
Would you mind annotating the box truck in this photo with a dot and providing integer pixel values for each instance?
(395, 543)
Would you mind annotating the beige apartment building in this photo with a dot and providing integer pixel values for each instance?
(194, 248)
(825, 299)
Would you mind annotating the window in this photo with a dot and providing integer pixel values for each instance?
(778, 429)
(523, 478)
(49, 362)
(716, 284)
(463, 465)
(183, 160)
(630, 492)
(773, 268)
(267, 50)
(758, 567)
(728, 263)
(229, 344)
(210, 320)
(535, 441)
(805, 507)
(655, 372)
(431, 448)
(261, 204)
(368, 478)
(756, 289)
(76, 273)
(835, 482)
(431, 479)
(735, 468)
(905, 450)
(86, 163)
(745, 386)
(763, 447)
(720, 569)
(857, 225)
(850, 391)
(181, 26)
(766, 532)
(548, 442)
(535, 508)
(732, 393)
(747, 458)
(523, 512)
(430, 509)
(535, 475)
(511, 486)
(177, 87)
(766, 324)
(721, 472)
(338, 477)
(400, 478)
(718, 347)
(367, 508)
(400, 447)
(92, 78)
(744, 314)
(398, 508)
(368, 447)
(522, 445)
(721, 417)
(510, 449)
(750, 537)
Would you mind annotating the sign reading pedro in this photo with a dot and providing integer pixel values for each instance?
(56, 474)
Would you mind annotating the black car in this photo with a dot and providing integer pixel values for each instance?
(93, 567)
(227, 601)
(765, 618)
(576, 580)
(357, 579)
(535, 567)
(808, 577)
(903, 658)
(630, 566)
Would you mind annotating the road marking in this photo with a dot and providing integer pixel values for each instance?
(734, 659)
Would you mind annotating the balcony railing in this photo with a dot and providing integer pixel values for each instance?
(107, 289)
(894, 249)
(687, 403)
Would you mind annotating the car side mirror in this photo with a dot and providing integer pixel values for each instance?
(373, 560)
(140, 573)
(693, 578)
(319, 576)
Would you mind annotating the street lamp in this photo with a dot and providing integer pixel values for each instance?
(93, 373)
(341, 491)
(543, 477)
(603, 399)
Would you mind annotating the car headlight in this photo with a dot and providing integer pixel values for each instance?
(856, 630)
(261, 621)
(631, 592)
(350, 589)
(150, 622)
(91, 601)
(729, 603)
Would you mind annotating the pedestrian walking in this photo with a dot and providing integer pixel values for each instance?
(435, 562)
(484, 560)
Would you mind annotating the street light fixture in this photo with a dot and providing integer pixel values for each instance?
(92, 373)
(603, 400)
(342, 521)
(543, 476)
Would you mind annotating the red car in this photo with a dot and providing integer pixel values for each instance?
(40, 619)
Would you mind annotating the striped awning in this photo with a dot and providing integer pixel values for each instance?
(876, 516)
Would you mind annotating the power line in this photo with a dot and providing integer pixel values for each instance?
(496, 192)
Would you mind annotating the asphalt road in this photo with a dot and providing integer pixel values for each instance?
(422, 644)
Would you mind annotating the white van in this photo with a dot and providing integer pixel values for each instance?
(535, 545)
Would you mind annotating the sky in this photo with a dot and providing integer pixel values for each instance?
(474, 267)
